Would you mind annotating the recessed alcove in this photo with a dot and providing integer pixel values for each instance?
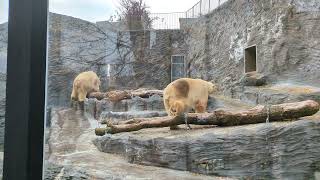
(250, 59)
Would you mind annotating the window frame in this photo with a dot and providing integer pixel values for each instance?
(25, 89)
(184, 65)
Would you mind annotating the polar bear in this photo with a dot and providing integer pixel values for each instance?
(83, 84)
(185, 94)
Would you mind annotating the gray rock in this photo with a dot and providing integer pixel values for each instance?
(284, 32)
(115, 117)
(287, 150)
(253, 79)
(95, 108)
(277, 94)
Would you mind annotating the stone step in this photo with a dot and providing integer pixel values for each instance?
(95, 107)
(282, 150)
(120, 116)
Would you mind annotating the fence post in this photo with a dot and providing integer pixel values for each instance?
(209, 6)
(192, 12)
(200, 7)
(219, 2)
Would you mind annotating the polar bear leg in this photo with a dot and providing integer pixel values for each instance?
(201, 106)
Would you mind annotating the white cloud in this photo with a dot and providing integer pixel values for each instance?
(91, 10)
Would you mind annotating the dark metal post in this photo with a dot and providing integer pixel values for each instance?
(25, 99)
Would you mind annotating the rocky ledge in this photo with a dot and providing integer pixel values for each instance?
(276, 93)
(70, 154)
(282, 150)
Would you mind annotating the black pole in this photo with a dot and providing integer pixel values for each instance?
(25, 99)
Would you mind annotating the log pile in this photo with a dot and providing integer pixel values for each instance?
(259, 114)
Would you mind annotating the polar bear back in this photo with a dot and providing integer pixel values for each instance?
(188, 90)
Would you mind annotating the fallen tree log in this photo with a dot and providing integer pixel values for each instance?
(118, 95)
(258, 114)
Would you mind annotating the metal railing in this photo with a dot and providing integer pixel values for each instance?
(171, 20)
(203, 7)
(167, 20)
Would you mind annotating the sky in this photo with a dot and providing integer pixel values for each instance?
(100, 10)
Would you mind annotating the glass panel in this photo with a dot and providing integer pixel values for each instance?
(3, 72)
(178, 59)
(108, 75)
(178, 70)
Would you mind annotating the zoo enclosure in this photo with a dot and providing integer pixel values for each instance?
(171, 20)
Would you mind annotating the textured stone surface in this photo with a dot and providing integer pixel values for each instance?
(148, 57)
(115, 117)
(286, 34)
(253, 79)
(287, 150)
(100, 109)
(72, 155)
(69, 53)
(276, 93)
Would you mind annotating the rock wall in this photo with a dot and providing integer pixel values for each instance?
(72, 49)
(122, 59)
(286, 34)
(144, 59)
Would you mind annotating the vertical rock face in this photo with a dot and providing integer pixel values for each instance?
(285, 33)
(70, 52)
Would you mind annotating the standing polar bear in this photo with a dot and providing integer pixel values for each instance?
(83, 84)
(184, 94)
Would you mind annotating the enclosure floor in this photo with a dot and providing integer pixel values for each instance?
(70, 146)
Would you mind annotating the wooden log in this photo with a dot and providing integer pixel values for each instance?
(119, 95)
(258, 114)
(97, 95)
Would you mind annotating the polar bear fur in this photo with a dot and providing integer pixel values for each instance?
(185, 94)
(83, 84)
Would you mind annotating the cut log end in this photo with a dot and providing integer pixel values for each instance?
(100, 131)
